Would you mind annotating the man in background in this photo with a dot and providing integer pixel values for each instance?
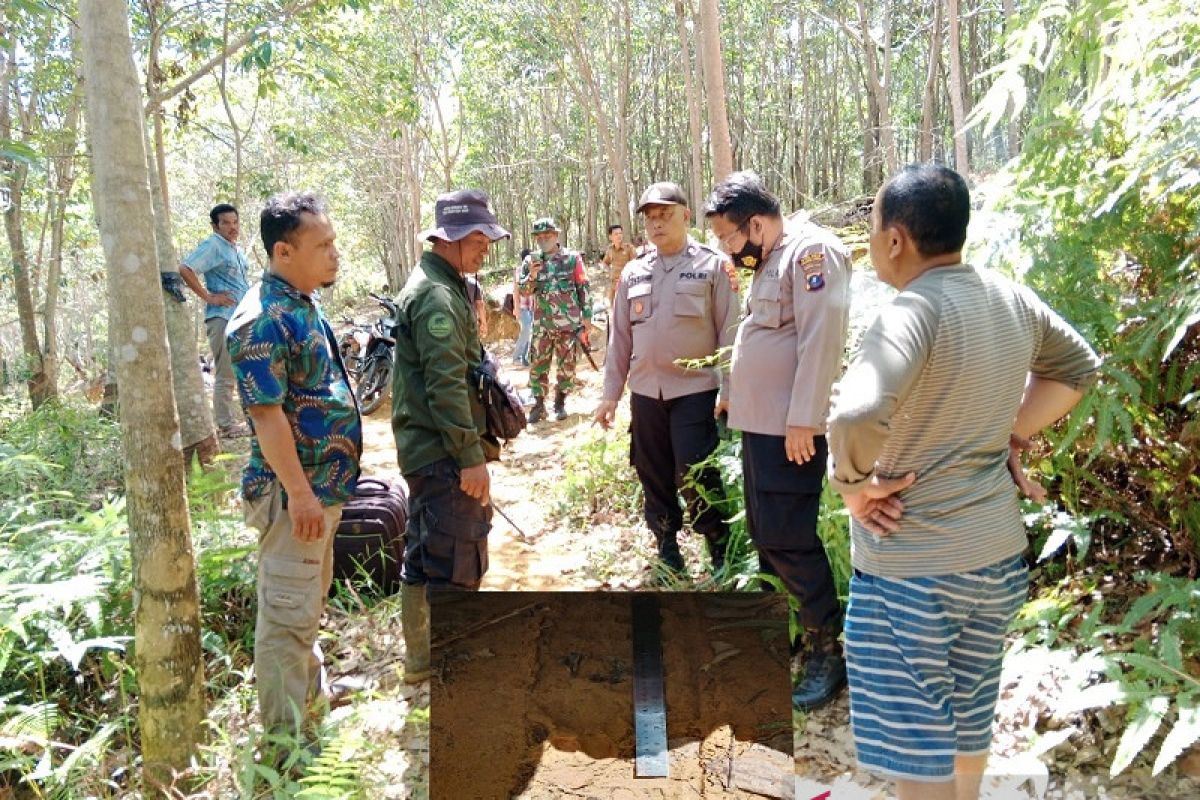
(618, 254)
(523, 307)
(223, 265)
(556, 279)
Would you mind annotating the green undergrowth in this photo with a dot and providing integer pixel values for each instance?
(68, 726)
(601, 486)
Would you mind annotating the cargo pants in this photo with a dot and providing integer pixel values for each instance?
(226, 411)
(293, 581)
(552, 344)
(446, 543)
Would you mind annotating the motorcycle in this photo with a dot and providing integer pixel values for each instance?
(372, 369)
(352, 344)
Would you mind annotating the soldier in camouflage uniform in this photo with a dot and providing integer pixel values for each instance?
(557, 280)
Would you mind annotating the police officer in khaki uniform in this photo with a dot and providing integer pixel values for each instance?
(786, 356)
(677, 302)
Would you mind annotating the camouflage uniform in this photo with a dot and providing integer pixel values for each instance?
(562, 307)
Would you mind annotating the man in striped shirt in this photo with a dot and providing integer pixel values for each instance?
(924, 438)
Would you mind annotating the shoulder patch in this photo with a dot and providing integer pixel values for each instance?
(439, 326)
(812, 265)
(730, 273)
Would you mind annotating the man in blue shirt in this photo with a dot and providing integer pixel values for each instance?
(224, 267)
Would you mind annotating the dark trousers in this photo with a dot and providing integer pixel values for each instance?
(445, 543)
(783, 500)
(668, 437)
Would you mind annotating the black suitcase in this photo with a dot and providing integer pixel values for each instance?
(368, 547)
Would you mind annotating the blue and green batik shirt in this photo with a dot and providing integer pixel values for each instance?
(224, 268)
(283, 354)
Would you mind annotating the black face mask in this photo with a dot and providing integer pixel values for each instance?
(750, 256)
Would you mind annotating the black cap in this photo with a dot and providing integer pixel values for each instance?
(459, 213)
(663, 193)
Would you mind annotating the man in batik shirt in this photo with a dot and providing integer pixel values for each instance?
(304, 455)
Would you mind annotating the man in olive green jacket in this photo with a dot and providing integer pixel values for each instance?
(438, 420)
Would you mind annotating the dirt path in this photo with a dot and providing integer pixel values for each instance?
(539, 556)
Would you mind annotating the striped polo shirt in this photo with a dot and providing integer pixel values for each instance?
(935, 389)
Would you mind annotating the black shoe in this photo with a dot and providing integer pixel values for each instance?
(824, 677)
(560, 406)
(674, 562)
(538, 412)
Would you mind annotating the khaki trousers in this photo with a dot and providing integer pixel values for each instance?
(226, 408)
(293, 581)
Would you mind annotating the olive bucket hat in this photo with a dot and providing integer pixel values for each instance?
(459, 213)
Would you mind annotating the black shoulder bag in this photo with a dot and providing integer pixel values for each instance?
(503, 412)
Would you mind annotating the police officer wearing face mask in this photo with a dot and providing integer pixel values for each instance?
(679, 301)
(786, 356)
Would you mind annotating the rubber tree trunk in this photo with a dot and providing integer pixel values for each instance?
(1014, 121)
(928, 96)
(714, 74)
(696, 175)
(197, 433)
(168, 662)
(15, 173)
(957, 83)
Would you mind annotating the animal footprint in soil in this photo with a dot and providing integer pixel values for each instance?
(572, 661)
(616, 673)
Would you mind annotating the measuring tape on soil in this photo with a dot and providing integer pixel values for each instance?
(649, 707)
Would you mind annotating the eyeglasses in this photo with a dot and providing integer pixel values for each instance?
(723, 241)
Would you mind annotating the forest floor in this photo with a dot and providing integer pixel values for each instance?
(1038, 752)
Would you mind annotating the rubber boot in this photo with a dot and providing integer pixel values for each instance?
(669, 555)
(824, 671)
(538, 412)
(560, 406)
(414, 618)
(717, 545)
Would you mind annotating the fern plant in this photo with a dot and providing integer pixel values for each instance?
(1152, 678)
(336, 773)
(1106, 194)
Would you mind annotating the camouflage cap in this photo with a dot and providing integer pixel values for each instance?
(544, 225)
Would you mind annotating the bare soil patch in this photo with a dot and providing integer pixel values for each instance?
(537, 702)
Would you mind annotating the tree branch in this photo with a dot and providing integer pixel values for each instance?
(291, 10)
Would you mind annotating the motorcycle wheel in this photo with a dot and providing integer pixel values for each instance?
(374, 385)
(351, 357)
